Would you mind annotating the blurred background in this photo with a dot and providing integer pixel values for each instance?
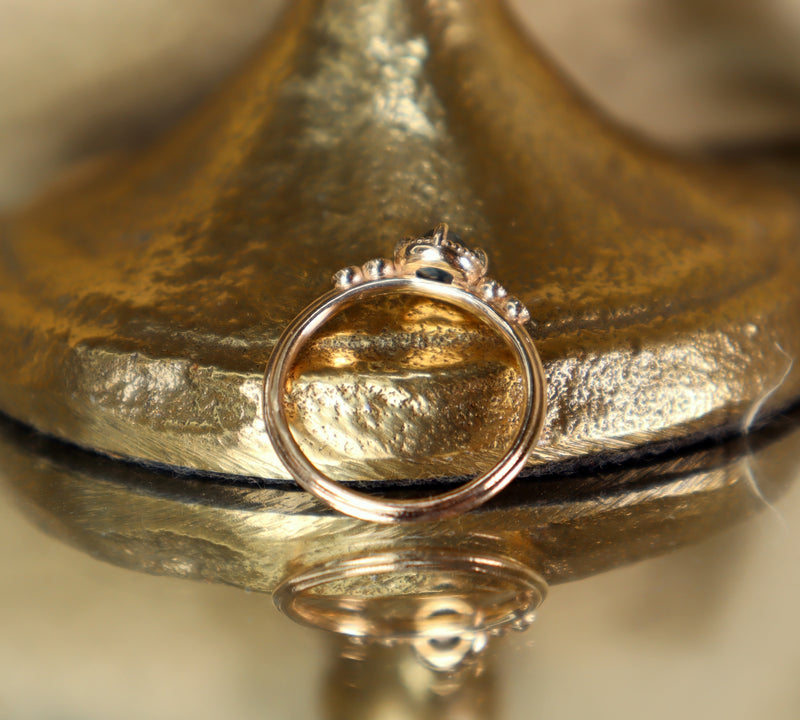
(82, 77)
(80, 639)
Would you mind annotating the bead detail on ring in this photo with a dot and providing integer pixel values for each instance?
(377, 268)
(515, 310)
(491, 290)
(347, 277)
(439, 256)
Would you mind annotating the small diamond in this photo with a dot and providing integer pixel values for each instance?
(491, 290)
(378, 268)
(347, 277)
(516, 311)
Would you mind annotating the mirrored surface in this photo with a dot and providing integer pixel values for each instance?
(657, 590)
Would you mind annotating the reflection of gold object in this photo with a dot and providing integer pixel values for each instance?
(436, 267)
(256, 538)
(139, 306)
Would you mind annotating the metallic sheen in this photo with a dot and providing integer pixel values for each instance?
(433, 267)
(139, 303)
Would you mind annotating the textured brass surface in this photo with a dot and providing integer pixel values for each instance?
(138, 307)
(439, 372)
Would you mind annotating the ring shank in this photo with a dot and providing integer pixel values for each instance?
(465, 497)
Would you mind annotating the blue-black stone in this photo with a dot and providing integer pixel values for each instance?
(433, 273)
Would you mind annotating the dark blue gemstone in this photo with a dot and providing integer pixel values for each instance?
(433, 273)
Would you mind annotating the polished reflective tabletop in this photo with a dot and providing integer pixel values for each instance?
(659, 590)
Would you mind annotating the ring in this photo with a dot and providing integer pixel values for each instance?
(434, 266)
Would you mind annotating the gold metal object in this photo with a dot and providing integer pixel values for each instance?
(437, 267)
(139, 303)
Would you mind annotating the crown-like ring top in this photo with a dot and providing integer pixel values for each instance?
(438, 257)
(434, 266)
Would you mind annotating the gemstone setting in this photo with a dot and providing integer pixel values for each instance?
(439, 256)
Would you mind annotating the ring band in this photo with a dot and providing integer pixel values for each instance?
(436, 267)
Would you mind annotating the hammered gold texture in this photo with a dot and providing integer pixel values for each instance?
(415, 382)
(139, 303)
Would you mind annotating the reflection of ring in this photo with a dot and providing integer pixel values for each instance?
(435, 267)
(419, 593)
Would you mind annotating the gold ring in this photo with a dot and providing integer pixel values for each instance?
(433, 266)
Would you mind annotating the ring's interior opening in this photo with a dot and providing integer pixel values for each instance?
(403, 387)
